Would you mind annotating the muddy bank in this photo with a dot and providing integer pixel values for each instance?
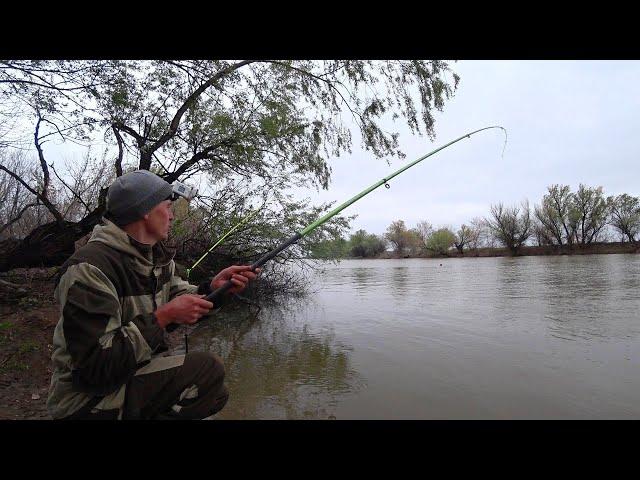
(28, 316)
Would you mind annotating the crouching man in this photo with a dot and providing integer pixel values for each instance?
(117, 295)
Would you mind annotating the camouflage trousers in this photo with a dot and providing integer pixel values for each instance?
(180, 387)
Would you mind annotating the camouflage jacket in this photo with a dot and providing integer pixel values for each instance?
(108, 291)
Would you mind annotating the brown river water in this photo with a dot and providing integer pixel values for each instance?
(553, 337)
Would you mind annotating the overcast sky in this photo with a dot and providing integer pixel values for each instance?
(568, 122)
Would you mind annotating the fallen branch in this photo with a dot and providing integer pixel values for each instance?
(11, 284)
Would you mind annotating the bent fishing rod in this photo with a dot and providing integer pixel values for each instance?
(236, 226)
(215, 295)
(174, 326)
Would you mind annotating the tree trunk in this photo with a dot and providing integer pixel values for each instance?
(46, 246)
(145, 160)
(49, 244)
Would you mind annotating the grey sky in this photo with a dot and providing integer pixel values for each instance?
(568, 122)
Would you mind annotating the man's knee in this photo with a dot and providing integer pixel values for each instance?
(207, 364)
(212, 394)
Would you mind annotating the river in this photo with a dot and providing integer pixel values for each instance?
(547, 337)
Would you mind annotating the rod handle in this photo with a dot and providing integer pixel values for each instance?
(218, 292)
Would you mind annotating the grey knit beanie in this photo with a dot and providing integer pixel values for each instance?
(134, 194)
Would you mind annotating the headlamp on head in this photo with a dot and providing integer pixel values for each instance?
(184, 191)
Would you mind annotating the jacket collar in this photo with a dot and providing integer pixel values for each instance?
(146, 256)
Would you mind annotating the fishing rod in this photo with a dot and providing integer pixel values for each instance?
(215, 295)
(235, 227)
(174, 326)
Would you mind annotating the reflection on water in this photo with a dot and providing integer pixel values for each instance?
(576, 296)
(278, 367)
(528, 337)
(577, 299)
(361, 278)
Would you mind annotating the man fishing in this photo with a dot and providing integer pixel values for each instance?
(117, 295)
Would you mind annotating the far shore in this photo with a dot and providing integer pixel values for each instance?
(590, 249)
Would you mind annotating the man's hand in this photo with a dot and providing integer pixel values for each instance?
(239, 276)
(183, 309)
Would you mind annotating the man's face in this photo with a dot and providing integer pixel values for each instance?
(158, 220)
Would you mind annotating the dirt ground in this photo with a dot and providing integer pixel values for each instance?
(28, 316)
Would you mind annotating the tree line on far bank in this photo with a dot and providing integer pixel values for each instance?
(563, 218)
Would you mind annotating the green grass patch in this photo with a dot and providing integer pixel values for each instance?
(27, 347)
(5, 328)
(28, 303)
(14, 365)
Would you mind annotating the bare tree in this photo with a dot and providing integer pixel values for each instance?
(625, 215)
(481, 236)
(16, 199)
(42, 190)
(463, 237)
(82, 184)
(423, 231)
(541, 233)
(511, 226)
(414, 242)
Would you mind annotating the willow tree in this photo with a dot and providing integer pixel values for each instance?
(590, 213)
(625, 216)
(270, 124)
(555, 215)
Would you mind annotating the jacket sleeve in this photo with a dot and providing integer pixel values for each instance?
(178, 286)
(104, 353)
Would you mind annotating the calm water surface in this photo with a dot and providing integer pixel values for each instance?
(461, 338)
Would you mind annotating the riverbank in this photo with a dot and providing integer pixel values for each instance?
(28, 316)
(592, 249)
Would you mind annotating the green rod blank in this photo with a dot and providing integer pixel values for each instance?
(312, 226)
